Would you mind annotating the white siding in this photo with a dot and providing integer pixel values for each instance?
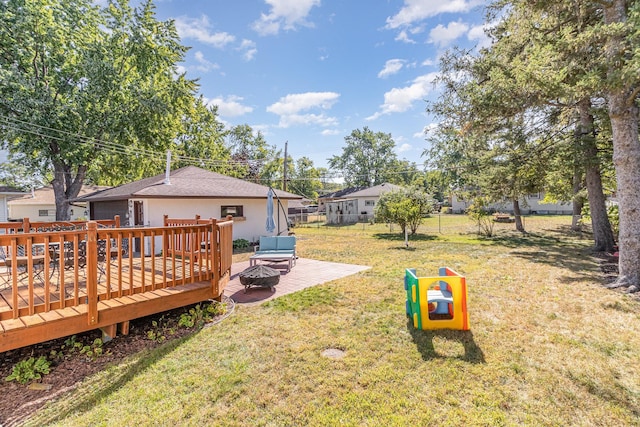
(3, 209)
(530, 204)
(251, 228)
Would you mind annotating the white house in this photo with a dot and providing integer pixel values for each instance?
(7, 193)
(40, 205)
(336, 195)
(531, 204)
(192, 191)
(343, 211)
(358, 205)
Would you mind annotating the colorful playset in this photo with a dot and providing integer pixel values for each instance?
(438, 302)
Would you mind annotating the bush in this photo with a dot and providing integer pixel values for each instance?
(478, 212)
(405, 207)
(30, 369)
(240, 244)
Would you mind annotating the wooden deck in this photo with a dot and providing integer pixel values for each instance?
(96, 281)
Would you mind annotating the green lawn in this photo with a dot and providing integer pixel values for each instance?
(548, 345)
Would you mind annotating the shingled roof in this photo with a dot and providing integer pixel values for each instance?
(376, 190)
(341, 193)
(188, 182)
(46, 196)
(10, 191)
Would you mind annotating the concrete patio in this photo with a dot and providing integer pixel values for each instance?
(305, 273)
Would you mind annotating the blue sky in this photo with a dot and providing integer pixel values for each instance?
(308, 72)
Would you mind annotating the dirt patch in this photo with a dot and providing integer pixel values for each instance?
(69, 366)
(608, 265)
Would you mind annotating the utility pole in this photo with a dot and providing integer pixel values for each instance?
(284, 165)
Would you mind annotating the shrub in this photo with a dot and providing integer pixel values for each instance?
(30, 369)
(240, 244)
(405, 207)
(478, 212)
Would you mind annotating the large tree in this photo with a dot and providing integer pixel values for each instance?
(367, 159)
(305, 179)
(599, 39)
(546, 55)
(487, 141)
(83, 87)
(252, 157)
(622, 59)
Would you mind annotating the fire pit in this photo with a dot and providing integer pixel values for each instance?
(260, 276)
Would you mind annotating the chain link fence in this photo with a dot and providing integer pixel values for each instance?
(437, 223)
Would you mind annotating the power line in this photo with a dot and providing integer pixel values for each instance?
(22, 126)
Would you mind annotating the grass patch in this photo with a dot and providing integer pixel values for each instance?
(305, 299)
(548, 345)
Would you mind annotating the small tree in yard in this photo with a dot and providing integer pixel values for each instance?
(478, 212)
(405, 207)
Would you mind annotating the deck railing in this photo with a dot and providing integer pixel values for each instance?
(46, 271)
(26, 225)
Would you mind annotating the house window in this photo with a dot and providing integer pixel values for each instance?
(369, 202)
(234, 211)
(44, 212)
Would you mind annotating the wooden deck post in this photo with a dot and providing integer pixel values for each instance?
(92, 272)
(215, 258)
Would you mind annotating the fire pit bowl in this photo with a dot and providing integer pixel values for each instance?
(259, 276)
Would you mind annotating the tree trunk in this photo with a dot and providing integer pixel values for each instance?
(518, 215)
(66, 187)
(578, 204)
(623, 113)
(602, 232)
(578, 200)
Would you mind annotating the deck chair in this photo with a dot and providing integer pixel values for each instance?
(19, 264)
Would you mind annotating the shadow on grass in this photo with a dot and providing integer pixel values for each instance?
(551, 250)
(397, 237)
(82, 400)
(424, 340)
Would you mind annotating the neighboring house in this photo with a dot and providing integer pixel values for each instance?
(358, 206)
(40, 205)
(7, 193)
(298, 210)
(343, 211)
(531, 204)
(336, 195)
(192, 191)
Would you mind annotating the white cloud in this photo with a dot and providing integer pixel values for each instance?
(404, 37)
(477, 33)
(426, 131)
(428, 62)
(294, 103)
(415, 11)
(307, 119)
(330, 132)
(199, 29)
(404, 147)
(290, 107)
(249, 48)
(399, 100)
(391, 67)
(203, 64)
(230, 107)
(443, 36)
(284, 14)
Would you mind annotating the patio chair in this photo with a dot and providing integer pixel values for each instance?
(21, 265)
